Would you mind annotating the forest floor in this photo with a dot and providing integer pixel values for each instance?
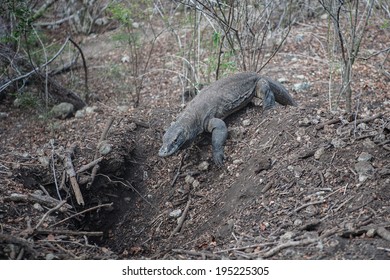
(298, 182)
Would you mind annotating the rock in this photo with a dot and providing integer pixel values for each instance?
(237, 132)
(80, 114)
(298, 87)
(62, 111)
(246, 122)
(3, 115)
(175, 213)
(319, 153)
(369, 144)
(304, 123)
(298, 222)
(203, 166)
(364, 169)
(189, 179)
(287, 236)
(299, 38)
(364, 156)
(45, 161)
(101, 21)
(50, 257)
(371, 233)
(123, 108)
(338, 143)
(283, 80)
(17, 102)
(195, 184)
(90, 109)
(38, 207)
(105, 148)
(125, 59)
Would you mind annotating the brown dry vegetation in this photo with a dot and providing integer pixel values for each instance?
(289, 188)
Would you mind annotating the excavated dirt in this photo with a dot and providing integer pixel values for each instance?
(298, 183)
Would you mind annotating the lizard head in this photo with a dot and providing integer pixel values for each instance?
(173, 140)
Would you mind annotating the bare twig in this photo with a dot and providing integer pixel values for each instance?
(72, 174)
(80, 213)
(181, 219)
(288, 244)
(49, 212)
(89, 165)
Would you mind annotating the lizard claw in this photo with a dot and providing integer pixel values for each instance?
(218, 158)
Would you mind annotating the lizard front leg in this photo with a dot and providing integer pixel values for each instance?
(264, 91)
(219, 134)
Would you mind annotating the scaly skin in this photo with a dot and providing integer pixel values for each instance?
(215, 102)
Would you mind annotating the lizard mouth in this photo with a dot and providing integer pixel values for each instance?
(164, 152)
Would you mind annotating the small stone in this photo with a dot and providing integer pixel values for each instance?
(38, 207)
(17, 102)
(299, 38)
(298, 171)
(246, 122)
(237, 161)
(123, 108)
(364, 156)
(203, 166)
(298, 87)
(311, 210)
(304, 123)
(3, 115)
(195, 184)
(371, 233)
(283, 80)
(125, 59)
(287, 236)
(105, 148)
(189, 179)
(338, 143)
(369, 144)
(364, 169)
(318, 153)
(101, 21)
(298, 222)
(80, 114)
(175, 213)
(62, 111)
(44, 161)
(90, 109)
(50, 257)
(237, 132)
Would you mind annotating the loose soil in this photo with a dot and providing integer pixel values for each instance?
(291, 186)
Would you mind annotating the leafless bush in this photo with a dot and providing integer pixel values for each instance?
(348, 25)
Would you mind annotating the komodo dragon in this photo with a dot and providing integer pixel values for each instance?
(215, 102)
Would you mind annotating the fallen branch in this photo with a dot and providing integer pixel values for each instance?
(89, 165)
(69, 232)
(384, 233)
(44, 200)
(82, 212)
(48, 213)
(308, 204)
(288, 244)
(72, 174)
(195, 253)
(103, 136)
(181, 219)
(11, 239)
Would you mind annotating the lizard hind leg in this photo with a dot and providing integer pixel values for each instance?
(263, 90)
